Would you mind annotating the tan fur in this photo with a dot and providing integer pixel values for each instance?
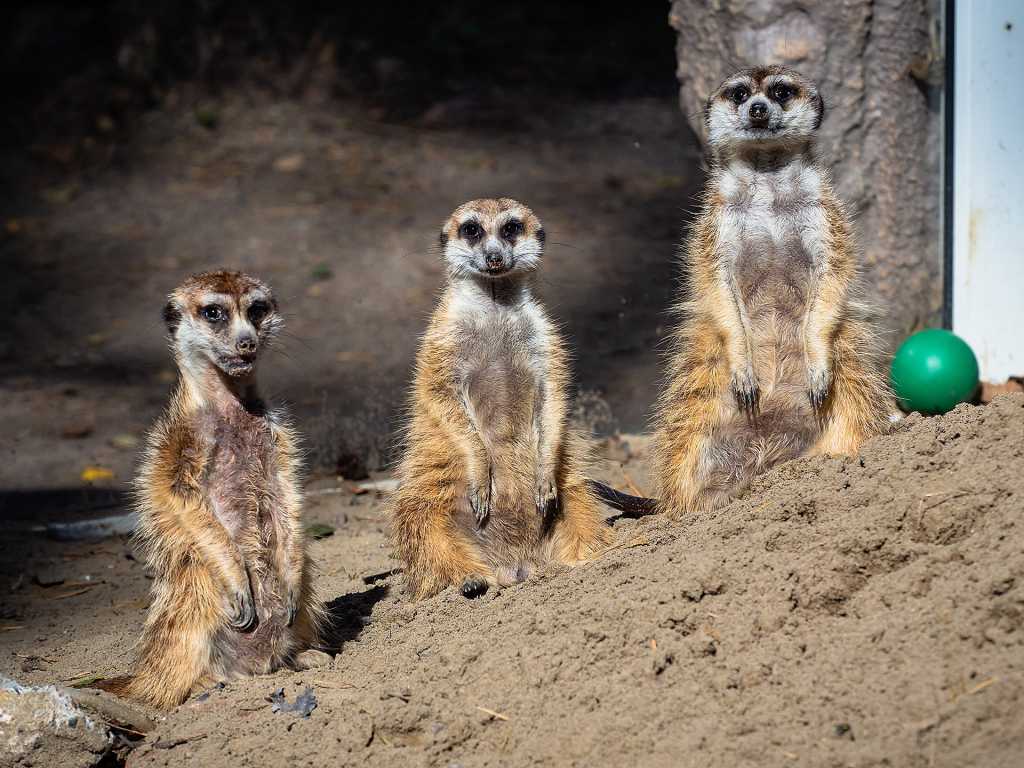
(488, 428)
(219, 520)
(775, 355)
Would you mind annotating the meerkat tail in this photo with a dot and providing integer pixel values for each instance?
(630, 506)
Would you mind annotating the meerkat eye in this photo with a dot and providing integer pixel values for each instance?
(740, 94)
(470, 230)
(510, 230)
(781, 92)
(212, 313)
(258, 311)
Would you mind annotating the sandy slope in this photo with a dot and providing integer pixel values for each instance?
(855, 612)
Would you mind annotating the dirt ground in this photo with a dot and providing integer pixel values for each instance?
(339, 212)
(845, 612)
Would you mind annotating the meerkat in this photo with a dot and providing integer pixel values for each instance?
(775, 355)
(491, 484)
(219, 507)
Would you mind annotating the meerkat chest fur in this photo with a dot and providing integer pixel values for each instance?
(240, 479)
(771, 230)
(501, 359)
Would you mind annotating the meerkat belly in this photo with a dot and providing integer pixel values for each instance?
(243, 492)
(773, 259)
(501, 385)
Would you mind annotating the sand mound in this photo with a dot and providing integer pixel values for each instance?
(855, 612)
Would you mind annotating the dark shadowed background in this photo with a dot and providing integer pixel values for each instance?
(320, 146)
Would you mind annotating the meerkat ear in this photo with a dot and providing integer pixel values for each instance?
(172, 316)
(821, 112)
(541, 235)
(443, 239)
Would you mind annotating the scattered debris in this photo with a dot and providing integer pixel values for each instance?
(85, 682)
(492, 713)
(125, 442)
(373, 578)
(91, 530)
(114, 712)
(75, 430)
(41, 725)
(384, 485)
(319, 530)
(172, 743)
(303, 706)
(844, 731)
(96, 474)
(289, 163)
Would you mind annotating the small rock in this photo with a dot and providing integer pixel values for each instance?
(303, 706)
(289, 163)
(42, 726)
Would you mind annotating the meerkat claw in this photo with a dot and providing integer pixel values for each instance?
(481, 506)
(817, 392)
(473, 586)
(746, 392)
(293, 606)
(547, 497)
(243, 612)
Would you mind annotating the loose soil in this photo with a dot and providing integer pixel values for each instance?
(860, 611)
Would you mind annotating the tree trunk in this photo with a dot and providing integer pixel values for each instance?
(878, 64)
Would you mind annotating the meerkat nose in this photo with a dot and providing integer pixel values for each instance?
(493, 255)
(246, 343)
(758, 112)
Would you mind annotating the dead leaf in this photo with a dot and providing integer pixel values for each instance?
(124, 442)
(61, 195)
(96, 474)
(85, 682)
(319, 530)
(75, 430)
(289, 163)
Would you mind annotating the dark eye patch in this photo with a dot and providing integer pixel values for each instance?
(738, 94)
(511, 229)
(470, 231)
(258, 310)
(781, 92)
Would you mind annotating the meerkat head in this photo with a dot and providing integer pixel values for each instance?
(763, 105)
(223, 319)
(492, 239)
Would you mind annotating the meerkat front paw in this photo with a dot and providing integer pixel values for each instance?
(473, 586)
(746, 390)
(547, 495)
(241, 609)
(819, 382)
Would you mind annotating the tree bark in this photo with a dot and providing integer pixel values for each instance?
(878, 64)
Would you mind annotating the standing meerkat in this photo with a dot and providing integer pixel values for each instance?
(775, 355)
(219, 507)
(491, 484)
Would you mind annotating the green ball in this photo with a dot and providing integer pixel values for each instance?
(934, 370)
